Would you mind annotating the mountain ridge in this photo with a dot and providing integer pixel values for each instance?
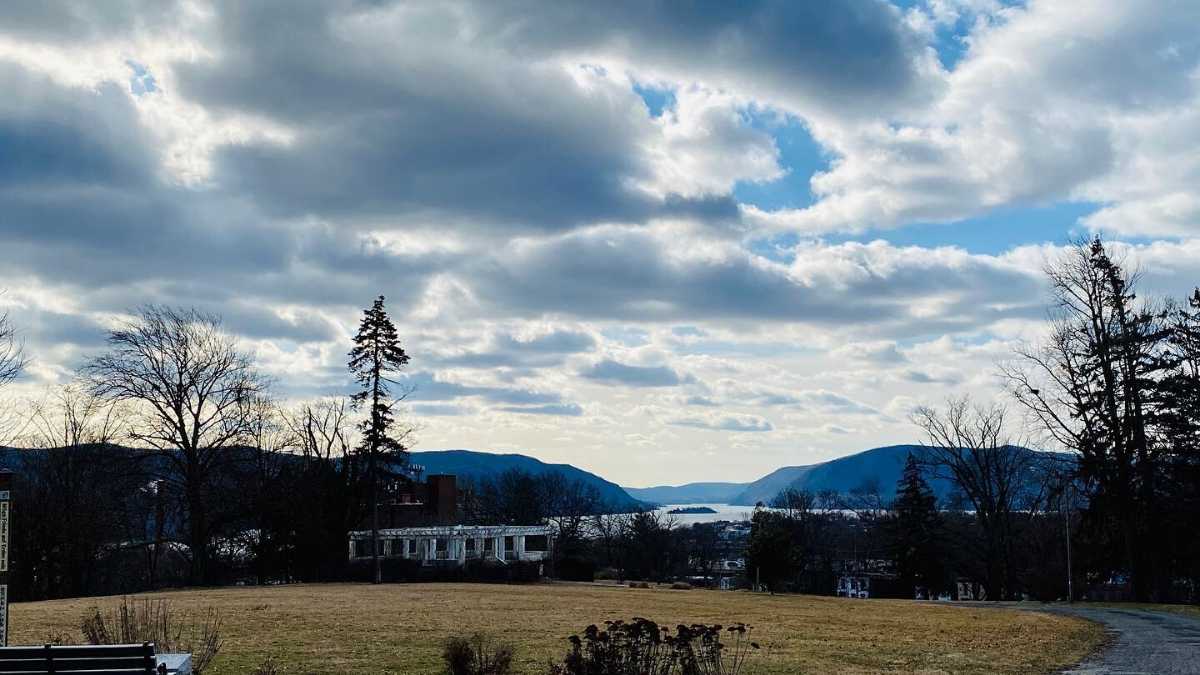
(475, 464)
(876, 467)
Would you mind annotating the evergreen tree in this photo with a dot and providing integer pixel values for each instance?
(770, 558)
(376, 355)
(917, 532)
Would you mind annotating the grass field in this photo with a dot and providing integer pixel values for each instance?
(351, 628)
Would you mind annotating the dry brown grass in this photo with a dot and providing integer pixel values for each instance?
(351, 628)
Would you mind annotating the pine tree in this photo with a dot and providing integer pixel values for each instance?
(376, 355)
(917, 532)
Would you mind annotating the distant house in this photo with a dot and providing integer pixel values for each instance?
(454, 545)
(409, 502)
(871, 578)
(420, 522)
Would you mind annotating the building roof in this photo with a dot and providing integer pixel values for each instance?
(458, 531)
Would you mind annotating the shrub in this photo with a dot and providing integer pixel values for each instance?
(268, 667)
(134, 622)
(477, 655)
(681, 586)
(642, 647)
(639, 584)
(608, 574)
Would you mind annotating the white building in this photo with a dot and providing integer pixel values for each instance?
(452, 545)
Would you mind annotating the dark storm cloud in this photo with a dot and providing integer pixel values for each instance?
(511, 352)
(55, 328)
(416, 126)
(856, 55)
(629, 273)
(413, 119)
(83, 203)
(614, 372)
(83, 20)
(420, 111)
(81, 199)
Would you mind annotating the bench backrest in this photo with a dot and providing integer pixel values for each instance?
(93, 659)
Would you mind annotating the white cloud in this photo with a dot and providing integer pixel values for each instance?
(1095, 101)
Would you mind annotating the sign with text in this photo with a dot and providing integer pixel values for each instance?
(5, 539)
(4, 518)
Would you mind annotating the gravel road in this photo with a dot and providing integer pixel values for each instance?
(1144, 641)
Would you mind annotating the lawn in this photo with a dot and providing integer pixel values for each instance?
(352, 628)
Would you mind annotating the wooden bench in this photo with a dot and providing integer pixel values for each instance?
(79, 660)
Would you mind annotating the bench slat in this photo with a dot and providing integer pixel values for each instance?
(78, 660)
(75, 651)
(65, 665)
(121, 671)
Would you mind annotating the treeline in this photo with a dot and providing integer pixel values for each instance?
(595, 539)
(1117, 382)
(1115, 389)
(909, 546)
(94, 517)
(169, 462)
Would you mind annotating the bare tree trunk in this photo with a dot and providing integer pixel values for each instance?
(375, 561)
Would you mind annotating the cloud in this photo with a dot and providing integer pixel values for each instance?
(879, 352)
(1094, 101)
(643, 274)
(425, 386)
(848, 58)
(561, 409)
(549, 200)
(736, 423)
(613, 372)
(541, 351)
(440, 410)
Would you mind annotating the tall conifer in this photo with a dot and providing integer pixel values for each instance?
(377, 354)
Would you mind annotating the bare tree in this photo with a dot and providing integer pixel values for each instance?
(72, 416)
(322, 430)
(325, 490)
(1090, 387)
(569, 503)
(84, 491)
(191, 388)
(970, 446)
(12, 362)
(12, 356)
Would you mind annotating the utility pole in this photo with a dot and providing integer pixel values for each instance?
(1070, 577)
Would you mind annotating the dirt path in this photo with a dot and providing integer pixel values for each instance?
(1144, 641)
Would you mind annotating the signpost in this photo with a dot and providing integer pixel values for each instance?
(5, 517)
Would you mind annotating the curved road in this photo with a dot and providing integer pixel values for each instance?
(1143, 641)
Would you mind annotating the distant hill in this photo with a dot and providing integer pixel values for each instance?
(879, 466)
(466, 464)
(472, 465)
(692, 493)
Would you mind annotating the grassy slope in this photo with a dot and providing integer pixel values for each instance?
(349, 628)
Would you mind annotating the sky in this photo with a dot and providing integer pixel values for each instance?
(662, 241)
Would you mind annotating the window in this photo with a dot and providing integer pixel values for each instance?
(537, 542)
(470, 543)
(509, 543)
